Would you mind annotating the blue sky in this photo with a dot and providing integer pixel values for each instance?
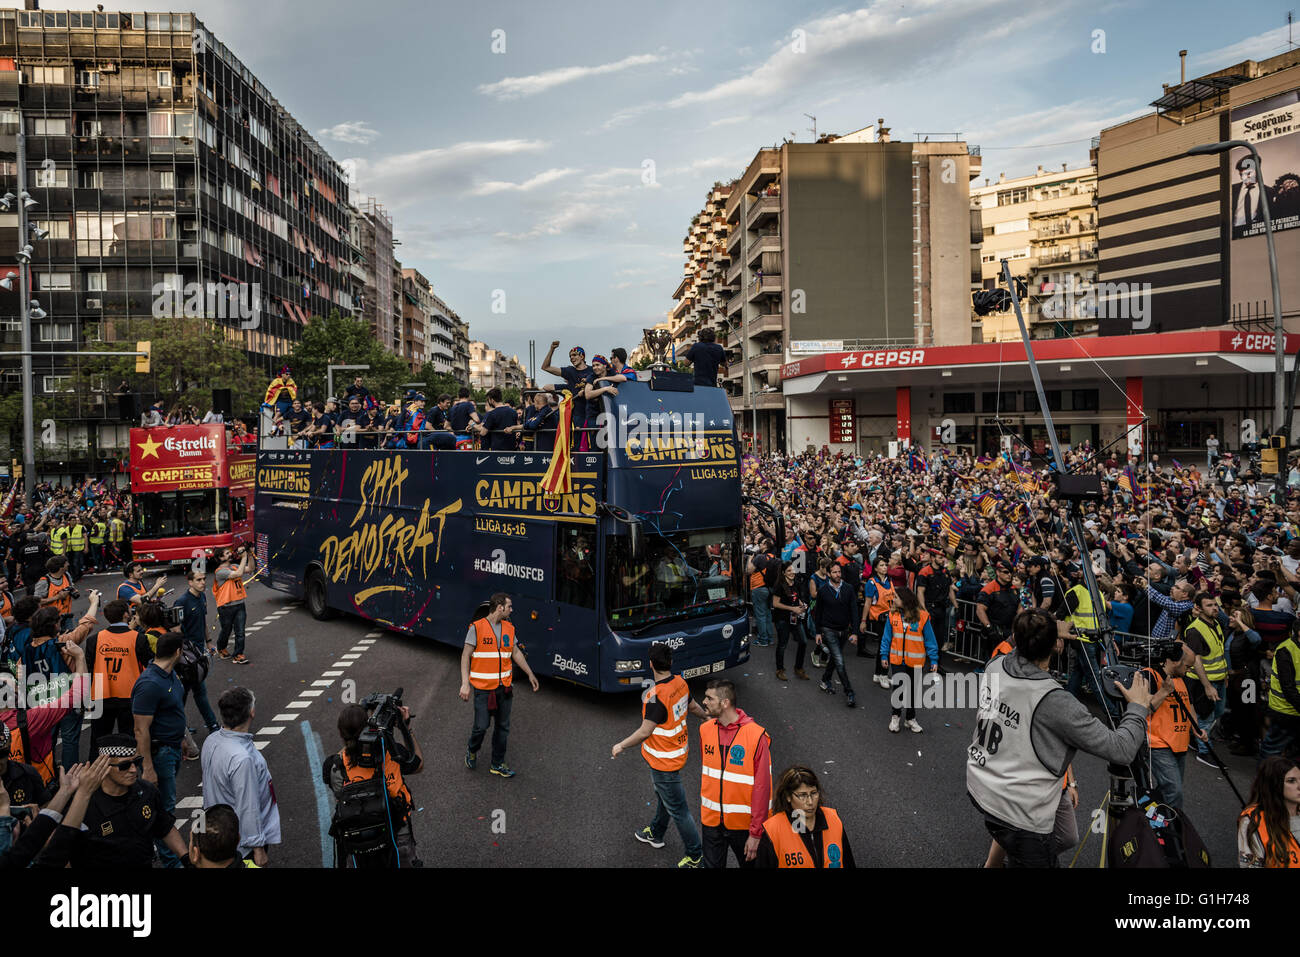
(522, 171)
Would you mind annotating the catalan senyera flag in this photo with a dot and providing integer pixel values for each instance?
(557, 480)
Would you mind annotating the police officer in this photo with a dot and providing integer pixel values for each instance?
(663, 740)
(487, 666)
(126, 816)
(116, 539)
(98, 534)
(33, 551)
(77, 534)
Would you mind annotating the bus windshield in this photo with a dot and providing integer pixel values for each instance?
(680, 575)
(174, 514)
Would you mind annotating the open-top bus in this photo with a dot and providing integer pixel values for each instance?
(645, 547)
(193, 492)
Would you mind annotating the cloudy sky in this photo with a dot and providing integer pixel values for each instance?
(513, 142)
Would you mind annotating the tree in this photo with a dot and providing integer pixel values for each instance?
(436, 383)
(189, 358)
(343, 340)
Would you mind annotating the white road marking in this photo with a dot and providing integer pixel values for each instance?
(194, 801)
(344, 664)
(351, 657)
(285, 717)
(298, 704)
(330, 674)
(324, 683)
(273, 729)
(311, 693)
(260, 744)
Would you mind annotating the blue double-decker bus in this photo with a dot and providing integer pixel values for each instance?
(646, 546)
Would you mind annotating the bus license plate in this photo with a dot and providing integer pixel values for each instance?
(704, 669)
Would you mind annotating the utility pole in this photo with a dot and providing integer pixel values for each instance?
(24, 306)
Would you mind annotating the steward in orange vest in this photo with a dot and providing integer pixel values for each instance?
(1171, 723)
(116, 657)
(663, 739)
(735, 778)
(1288, 855)
(823, 845)
(486, 667)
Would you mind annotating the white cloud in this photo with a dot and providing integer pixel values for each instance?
(573, 217)
(541, 179)
(1258, 47)
(403, 179)
(729, 120)
(516, 87)
(353, 131)
(636, 285)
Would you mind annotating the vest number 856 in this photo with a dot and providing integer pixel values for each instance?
(794, 859)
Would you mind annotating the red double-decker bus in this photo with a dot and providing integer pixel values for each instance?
(193, 488)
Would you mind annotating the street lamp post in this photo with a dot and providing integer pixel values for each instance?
(25, 320)
(1279, 334)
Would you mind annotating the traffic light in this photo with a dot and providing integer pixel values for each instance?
(1273, 455)
(142, 362)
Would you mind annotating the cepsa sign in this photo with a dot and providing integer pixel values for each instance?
(883, 358)
(182, 477)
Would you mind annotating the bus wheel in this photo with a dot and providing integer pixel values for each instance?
(316, 603)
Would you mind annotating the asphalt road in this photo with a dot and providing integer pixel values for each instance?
(902, 796)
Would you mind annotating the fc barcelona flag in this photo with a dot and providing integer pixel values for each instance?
(953, 526)
(557, 480)
(1128, 481)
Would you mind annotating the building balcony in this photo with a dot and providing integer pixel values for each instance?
(766, 243)
(733, 273)
(766, 362)
(763, 286)
(765, 324)
(734, 303)
(733, 242)
(765, 210)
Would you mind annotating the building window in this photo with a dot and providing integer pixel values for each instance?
(164, 179)
(88, 78)
(48, 74)
(92, 128)
(999, 402)
(56, 383)
(92, 179)
(165, 79)
(57, 228)
(96, 282)
(958, 402)
(1009, 197)
(54, 280)
(50, 126)
(160, 124)
(46, 178)
(56, 332)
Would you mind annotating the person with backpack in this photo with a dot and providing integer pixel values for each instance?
(372, 821)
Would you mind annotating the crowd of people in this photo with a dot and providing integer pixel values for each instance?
(924, 561)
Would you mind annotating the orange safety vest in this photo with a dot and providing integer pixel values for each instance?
(727, 781)
(232, 590)
(490, 667)
(6, 604)
(136, 587)
(665, 749)
(116, 667)
(910, 650)
(1003, 648)
(884, 600)
(790, 849)
(1171, 726)
(18, 752)
(63, 604)
(392, 777)
(756, 580)
(1293, 846)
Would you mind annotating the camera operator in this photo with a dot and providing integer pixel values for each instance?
(1027, 731)
(372, 828)
(228, 589)
(1172, 720)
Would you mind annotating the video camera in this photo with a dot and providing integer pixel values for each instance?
(171, 615)
(1133, 657)
(383, 716)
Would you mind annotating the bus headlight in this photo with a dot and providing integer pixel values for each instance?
(620, 666)
(147, 557)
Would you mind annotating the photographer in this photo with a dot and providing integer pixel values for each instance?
(1027, 731)
(228, 589)
(372, 824)
(1172, 720)
(55, 589)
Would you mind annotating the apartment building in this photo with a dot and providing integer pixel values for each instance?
(381, 306)
(1046, 225)
(853, 242)
(460, 347)
(157, 159)
(703, 291)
